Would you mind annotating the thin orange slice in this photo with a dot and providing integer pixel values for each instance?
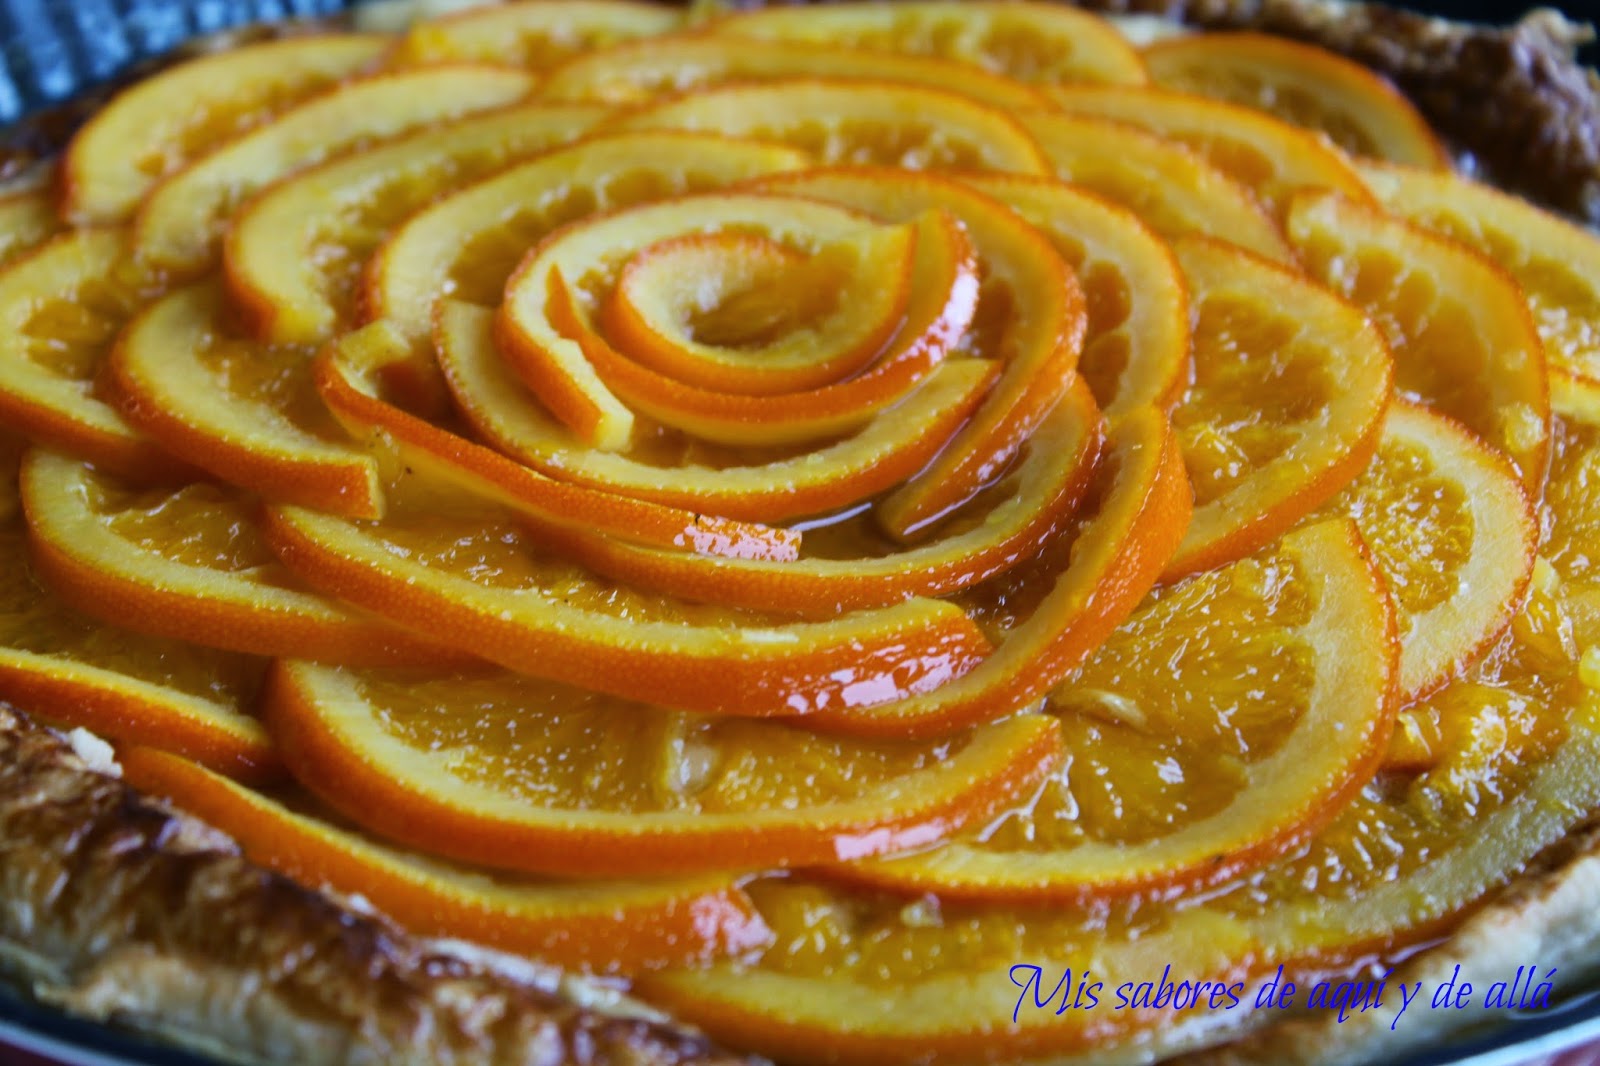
(853, 121)
(478, 584)
(1431, 482)
(746, 314)
(601, 387)
(1030, 506)
(1290, 388)
(1225, 722)
(467, 244)
(60, 309)
(1556, 262)
(27, 220)
(619, 927)
(640, 70)
(1031, 319)
(73, 671)
(1136, 345)
(546, 349)
(188, 563)
(769, 487)
(241, 410)
(1172, 188)
(536, 36)
(1049, 615)
(1028, 42)
(180, 222)
(589, 802)
(873, 979)
(1308, 86)
(294, 253)
(879, 979)
(349, 380)
(1463, 339)
(162, 123)
(1272, 158)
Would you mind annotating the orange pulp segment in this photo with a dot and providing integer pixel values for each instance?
(1027, 42)
(162, 123)
(1463, 340)
(1290, 388)
(242, 410)
(1310, 87)
(1223, 723)
(853, 121)
(1272, 158)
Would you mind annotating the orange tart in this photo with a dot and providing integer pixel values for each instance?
(889, 533)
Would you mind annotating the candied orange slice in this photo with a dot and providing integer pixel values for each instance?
(188, 563)
(1048, 614)
(761, 486)
(1230, 717)
(162, 123)
(180, 222)
(1030, 318)
(641, 70)
(1556, 262)
(1171, 188)
(60, 310)
(27, 220)
(618, 927)
(536, 36)
(1462, 336)
(598, 788)
(1272, 158)
(853, 121)
(478, 584)
(349, 379)
(1431, 482)
(1032, 504)
(1136, 346)
(772, 320)
(293, 253)
(470, 242)
(595, 388)
(1290, 388)
(873, 979)
(1308, 86)
(243, 411)
(73, 671)
(853, 977)
(1028, 42)
(543, 344)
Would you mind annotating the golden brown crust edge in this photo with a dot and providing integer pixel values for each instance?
(118, 909)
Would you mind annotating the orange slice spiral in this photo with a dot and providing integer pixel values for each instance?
(803, 510)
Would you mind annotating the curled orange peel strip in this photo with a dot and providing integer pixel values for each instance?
(348, 377)
(889, 449)
(1031, 304)
(657, 311)
(944, 288)
(1046, 487)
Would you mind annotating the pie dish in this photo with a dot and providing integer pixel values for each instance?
(498, 411)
